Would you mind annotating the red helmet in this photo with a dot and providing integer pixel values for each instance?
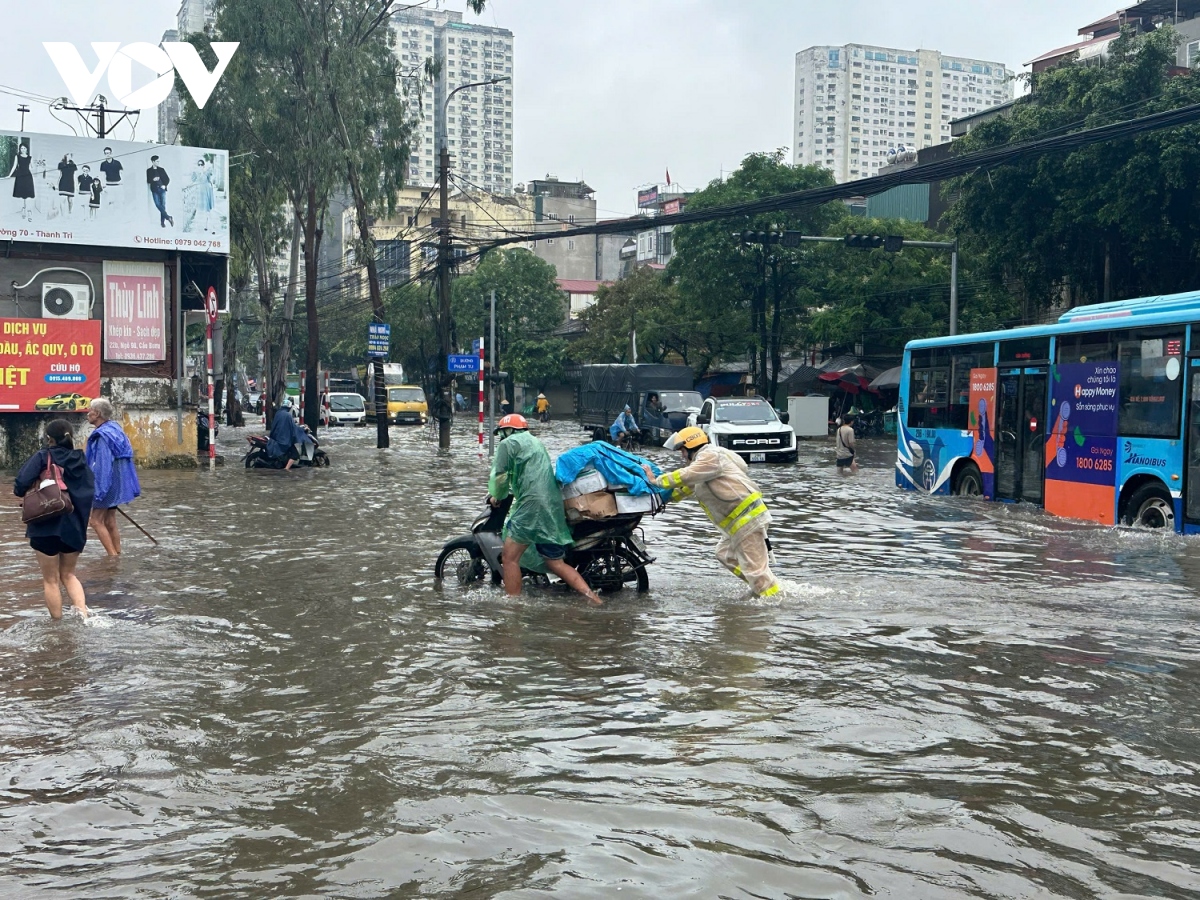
(513, 420)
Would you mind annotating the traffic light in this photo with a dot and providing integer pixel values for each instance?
(864, 241)
(762, 237)
(893, 243)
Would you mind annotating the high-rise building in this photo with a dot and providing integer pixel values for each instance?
(168, 110)
(478, 125)
(857, 103)
(193, 16)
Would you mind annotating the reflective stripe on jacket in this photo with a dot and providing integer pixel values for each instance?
(719, 480)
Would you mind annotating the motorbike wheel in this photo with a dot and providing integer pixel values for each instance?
(608, 572)
(460, 561)
(321, 459)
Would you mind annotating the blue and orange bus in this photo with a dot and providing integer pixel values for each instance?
(1095, 417)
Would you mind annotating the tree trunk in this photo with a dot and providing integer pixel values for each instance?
(290, 291)
(231, 337)
(312, 246)
(382, 438)
(776, 336)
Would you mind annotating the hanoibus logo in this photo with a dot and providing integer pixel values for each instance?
(164, 61)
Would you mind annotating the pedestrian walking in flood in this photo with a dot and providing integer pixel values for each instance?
(110, 456)
(845, 446)
(58, 541)
(719, 480)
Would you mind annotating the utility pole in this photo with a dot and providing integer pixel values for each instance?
(22, 109)
(443, 405)
(445, 399)
(492, 387)
(97, 109)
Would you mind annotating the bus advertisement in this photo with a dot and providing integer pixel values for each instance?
(1095, 417)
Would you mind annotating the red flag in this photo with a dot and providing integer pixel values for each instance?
(668, 177)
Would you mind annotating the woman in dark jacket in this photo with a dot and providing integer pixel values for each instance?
(58, 542)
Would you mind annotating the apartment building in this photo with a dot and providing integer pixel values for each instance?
(855, 103)
(478, 121)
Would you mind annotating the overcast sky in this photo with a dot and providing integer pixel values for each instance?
(618, 91)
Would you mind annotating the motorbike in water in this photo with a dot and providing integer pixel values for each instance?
(609, 553)
(258, 457)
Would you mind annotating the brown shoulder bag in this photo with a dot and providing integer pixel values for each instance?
(48, 499)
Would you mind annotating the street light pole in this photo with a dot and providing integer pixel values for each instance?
(445, 402)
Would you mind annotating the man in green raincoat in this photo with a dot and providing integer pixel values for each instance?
(522, 468)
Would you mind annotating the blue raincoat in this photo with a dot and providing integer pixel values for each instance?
(285, 435)
(624, 422)
(110, 457)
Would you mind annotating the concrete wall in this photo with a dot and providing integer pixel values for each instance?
(154, 435)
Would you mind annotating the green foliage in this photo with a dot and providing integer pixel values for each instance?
(1047, 224)
(537, 361)
(645, 301)
(529, 305)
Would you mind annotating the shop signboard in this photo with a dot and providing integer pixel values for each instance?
(64, 189)
(135, 323)
(49, 365)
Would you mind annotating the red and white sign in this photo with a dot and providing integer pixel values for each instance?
(49, 365)
(135, 312)
(211, 305)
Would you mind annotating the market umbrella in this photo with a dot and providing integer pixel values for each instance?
(889, 380)
(850, 382)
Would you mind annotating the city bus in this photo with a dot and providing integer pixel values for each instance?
(1094, 417)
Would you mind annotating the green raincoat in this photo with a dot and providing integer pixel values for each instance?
(522, 468)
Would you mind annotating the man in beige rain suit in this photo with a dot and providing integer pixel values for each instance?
(718, 479)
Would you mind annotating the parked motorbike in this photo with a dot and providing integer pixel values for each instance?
(608, 553)
(258, 458)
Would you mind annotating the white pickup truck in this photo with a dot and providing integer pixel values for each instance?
(748, 426)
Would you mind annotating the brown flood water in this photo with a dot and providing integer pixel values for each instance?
(951, 699)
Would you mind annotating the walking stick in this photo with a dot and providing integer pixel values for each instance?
(136, 525)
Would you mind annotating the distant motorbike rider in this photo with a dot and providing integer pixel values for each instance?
(287, 440)
(523, 469)
(625, 429)
(718, 479)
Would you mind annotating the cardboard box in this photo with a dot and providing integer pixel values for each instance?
(596, 505)
(589, 482)
(629, 503)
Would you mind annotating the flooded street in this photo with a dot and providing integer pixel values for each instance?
(950, 699)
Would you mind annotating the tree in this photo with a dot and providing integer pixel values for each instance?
(1110, 220)
(529, 306)
(646, 305)
(744, 295)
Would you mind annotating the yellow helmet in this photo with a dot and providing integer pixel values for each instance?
(692, 438)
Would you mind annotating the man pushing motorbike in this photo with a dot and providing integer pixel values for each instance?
(523, 469)
(719, 481)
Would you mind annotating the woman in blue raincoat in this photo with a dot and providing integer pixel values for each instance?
(287, 439)
(110, 457)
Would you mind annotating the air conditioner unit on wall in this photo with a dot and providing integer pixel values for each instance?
(66, 301)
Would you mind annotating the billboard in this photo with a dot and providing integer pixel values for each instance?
(135, 310)
(59, 189)
(648, 197)
(1081, 449)
(49, 365)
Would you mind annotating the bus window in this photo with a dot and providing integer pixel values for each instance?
(1151, 383)
(1089, 347)
(1025, 350)
(927, 398)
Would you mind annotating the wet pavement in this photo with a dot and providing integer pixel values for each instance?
(951, 699)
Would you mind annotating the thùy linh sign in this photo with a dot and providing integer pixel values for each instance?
(134, 312)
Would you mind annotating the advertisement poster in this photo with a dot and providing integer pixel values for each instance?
(982, 423)
(62, 189)
(134, 312)
(49, 365)
(1081, 448)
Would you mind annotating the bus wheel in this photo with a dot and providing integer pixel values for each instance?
(969, 483)
(1150, 507)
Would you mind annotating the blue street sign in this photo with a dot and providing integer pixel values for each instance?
(378, 336)
(475, 345)
(462, 362)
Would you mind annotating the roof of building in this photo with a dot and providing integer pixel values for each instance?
(1072, 48)
(579, 285)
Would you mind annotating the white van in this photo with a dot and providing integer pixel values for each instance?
(347, 409)
(749, 426)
